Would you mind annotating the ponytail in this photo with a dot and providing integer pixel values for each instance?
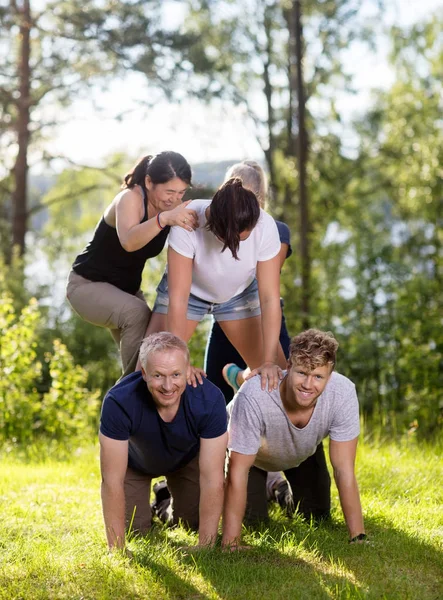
(138, 173)
(233, 209)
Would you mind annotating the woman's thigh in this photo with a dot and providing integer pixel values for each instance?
(247, 338)
(104, 304)
(159, 322)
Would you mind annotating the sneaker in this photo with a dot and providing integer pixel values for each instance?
(230, 373)
(162, 502)
(283, 495)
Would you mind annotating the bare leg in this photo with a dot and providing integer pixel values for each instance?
(156, 324)
(247, 338)
(159, 322)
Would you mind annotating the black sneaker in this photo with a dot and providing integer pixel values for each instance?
(283, 495)
(162, 503)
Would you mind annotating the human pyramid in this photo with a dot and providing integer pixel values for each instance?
(166, 417)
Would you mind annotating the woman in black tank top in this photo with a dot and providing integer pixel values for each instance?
(104, 284)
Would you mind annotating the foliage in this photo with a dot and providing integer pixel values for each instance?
(53, 541)
(20, 371)
(65, 413)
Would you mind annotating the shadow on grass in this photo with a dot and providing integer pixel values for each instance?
(294, 560)
(394, 564)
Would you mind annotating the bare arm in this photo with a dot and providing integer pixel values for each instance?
(283, 254)
(132, 234)
(342, 455)
(211, 464)
(179, 287)
(268, 279)
(235, 497)
(113, 464)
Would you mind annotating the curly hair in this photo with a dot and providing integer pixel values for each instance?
(313, 348)
(161, 342)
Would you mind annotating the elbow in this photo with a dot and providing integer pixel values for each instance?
(128, 246)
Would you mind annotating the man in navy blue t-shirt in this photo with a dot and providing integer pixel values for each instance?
(153, 423)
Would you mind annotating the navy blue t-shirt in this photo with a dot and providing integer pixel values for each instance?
(285, 236)
(156, 447)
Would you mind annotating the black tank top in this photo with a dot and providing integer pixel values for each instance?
(105, 259)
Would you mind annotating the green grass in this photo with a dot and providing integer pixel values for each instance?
(52, 540)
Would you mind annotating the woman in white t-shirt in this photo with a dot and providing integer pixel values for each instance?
(228, 267)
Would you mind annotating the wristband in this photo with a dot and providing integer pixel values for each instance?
(358, 538)
(158, 221)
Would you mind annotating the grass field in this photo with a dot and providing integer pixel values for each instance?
(52, 540)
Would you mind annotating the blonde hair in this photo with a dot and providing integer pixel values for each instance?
(253, 178)
(313, 348)
(161, 342)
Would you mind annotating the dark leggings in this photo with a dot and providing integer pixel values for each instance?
(311, 489)
(220, 352)
(310, 481)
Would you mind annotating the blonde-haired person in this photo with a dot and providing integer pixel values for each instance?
(228, 267)
(224, 365)
(153, 423)
(280, 430)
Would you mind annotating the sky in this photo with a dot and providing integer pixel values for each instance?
(200, 133)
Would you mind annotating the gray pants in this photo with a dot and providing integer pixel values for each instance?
(103, 304)
(184, 485)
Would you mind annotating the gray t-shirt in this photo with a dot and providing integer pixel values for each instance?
(259, 424)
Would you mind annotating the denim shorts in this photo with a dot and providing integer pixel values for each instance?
(243, 306)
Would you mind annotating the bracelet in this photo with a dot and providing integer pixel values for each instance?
(358, 538)
(158, 221)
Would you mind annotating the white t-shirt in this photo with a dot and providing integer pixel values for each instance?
(217, 276)
(259, 424)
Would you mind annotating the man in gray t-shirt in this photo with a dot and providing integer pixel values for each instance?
(280, 430)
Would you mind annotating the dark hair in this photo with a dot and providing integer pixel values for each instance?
(233, 209)
(161, 168)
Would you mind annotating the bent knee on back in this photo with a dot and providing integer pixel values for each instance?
(137, 315)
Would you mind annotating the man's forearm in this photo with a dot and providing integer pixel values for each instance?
(113, 503)
(233, 512)
(350, 503)
(211, 506)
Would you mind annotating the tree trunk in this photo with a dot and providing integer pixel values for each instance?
(270, 152)
(20, 171)
(302, 155)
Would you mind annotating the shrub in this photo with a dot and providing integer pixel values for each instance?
(66, 412)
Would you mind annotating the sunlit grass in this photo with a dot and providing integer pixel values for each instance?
(52, 541)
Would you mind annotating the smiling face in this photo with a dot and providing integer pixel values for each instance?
(166, 196)
(165, 374)
(307, 385)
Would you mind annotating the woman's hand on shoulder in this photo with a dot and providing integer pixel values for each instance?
(270, 373)
(195, 375)
(181, 216)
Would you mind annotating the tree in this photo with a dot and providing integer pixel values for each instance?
(379, 268)
(251, 52)
(54, 54)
